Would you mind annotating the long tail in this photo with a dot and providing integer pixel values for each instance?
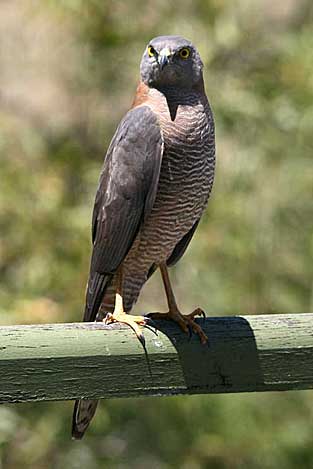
(96, 287)
(85, 409)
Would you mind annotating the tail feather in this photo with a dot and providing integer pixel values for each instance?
(84, 410)
(96, 287)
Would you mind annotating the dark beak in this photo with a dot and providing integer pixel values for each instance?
(163, 61)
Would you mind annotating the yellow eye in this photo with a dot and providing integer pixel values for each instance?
(184, 53)
(151, 51)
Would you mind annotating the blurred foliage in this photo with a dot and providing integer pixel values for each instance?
(68, 72)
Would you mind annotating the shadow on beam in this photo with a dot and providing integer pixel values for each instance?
(90, 360)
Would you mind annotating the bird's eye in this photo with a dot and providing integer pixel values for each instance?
(184, 53)
(151, 51)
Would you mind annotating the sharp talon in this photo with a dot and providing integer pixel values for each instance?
(151, 329)
(186, 322)
(107, 319)
(150, 321)
(142, 340)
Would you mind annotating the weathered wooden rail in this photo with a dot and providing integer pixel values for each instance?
(66, 361)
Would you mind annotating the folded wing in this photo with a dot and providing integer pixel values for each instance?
(125, 197)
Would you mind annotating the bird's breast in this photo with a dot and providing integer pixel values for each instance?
(185, 182)
(187, 169)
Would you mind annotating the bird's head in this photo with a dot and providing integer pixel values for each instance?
(171, 61)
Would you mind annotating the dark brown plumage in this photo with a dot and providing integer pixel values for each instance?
(125, 196)
(154, 186)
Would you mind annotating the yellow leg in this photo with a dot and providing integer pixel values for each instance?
(119, 314)
(185, 321)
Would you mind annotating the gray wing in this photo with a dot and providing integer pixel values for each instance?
(125, 196)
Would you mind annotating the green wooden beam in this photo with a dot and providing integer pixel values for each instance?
(90, 360)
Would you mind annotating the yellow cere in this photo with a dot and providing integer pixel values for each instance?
(184, 53)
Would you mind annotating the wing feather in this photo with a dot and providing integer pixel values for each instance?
(125, 196)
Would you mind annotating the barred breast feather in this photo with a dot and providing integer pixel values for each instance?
(185, 182)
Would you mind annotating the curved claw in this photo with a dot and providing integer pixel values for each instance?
(186, 322)
(132, 321)
(141, 338)
(151, 329)
(107, 319)
(197, 312)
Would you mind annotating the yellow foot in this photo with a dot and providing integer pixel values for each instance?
(132, 321)
(185, 321)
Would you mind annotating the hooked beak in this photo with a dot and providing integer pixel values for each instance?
(163, 58)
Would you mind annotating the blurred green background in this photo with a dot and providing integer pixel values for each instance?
(68, 71)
